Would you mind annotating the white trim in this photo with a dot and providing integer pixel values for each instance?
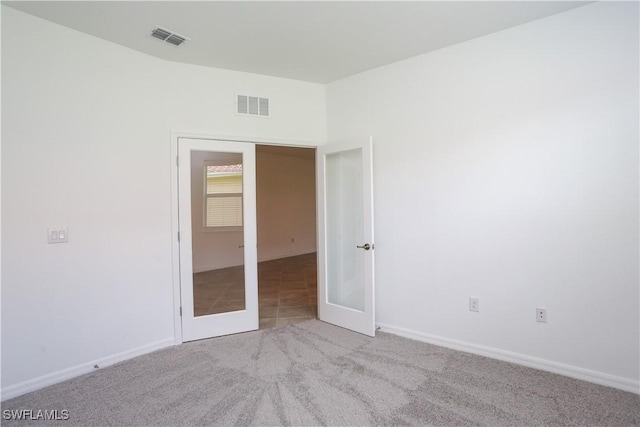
(175, 134)
(175, 244)
(596, 377)
(175, 226)
(81, 369)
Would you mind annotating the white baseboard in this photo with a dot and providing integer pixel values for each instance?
(596, 377)
(286, 255)
(202, 268)
(84, 368)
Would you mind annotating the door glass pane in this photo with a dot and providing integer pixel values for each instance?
(223, 193)
(217, 232)
(344, 229)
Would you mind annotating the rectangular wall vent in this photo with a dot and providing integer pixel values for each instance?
(168, 36)
(252, 106)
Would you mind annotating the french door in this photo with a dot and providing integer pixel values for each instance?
(217, 228)
(345, 236)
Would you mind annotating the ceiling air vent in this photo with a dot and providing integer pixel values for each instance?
(168, 36)
(252, 106)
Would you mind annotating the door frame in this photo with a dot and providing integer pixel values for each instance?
(175, 225)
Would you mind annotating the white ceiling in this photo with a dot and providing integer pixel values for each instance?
(316, 41)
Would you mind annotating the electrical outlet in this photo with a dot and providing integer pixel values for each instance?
(541, 315)
(474, 304)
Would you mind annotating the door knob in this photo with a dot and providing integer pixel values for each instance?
(366, 247)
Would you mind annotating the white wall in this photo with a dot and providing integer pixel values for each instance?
(286, 204)
(506, 168)
(86, 144)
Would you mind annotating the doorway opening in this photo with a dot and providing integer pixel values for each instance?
(286, 224)
(286, 234)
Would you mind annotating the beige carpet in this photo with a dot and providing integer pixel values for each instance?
(312, 373)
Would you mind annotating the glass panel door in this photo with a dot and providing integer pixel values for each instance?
(345, 275)
(217, 232)
(345, 238)
(217, 222)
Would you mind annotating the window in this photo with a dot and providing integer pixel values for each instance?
(223, 196)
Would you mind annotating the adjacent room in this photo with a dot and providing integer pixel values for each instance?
(306, 213)
(286, 229)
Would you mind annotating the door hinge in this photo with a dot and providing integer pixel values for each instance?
(178, 236)
(177, 161)
(180, 311)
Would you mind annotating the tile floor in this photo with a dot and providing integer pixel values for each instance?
(287, 290)
(218, 291)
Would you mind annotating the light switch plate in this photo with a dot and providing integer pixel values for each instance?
(57, 235)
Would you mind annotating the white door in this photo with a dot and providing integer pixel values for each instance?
(345, 236)
(217, 225)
